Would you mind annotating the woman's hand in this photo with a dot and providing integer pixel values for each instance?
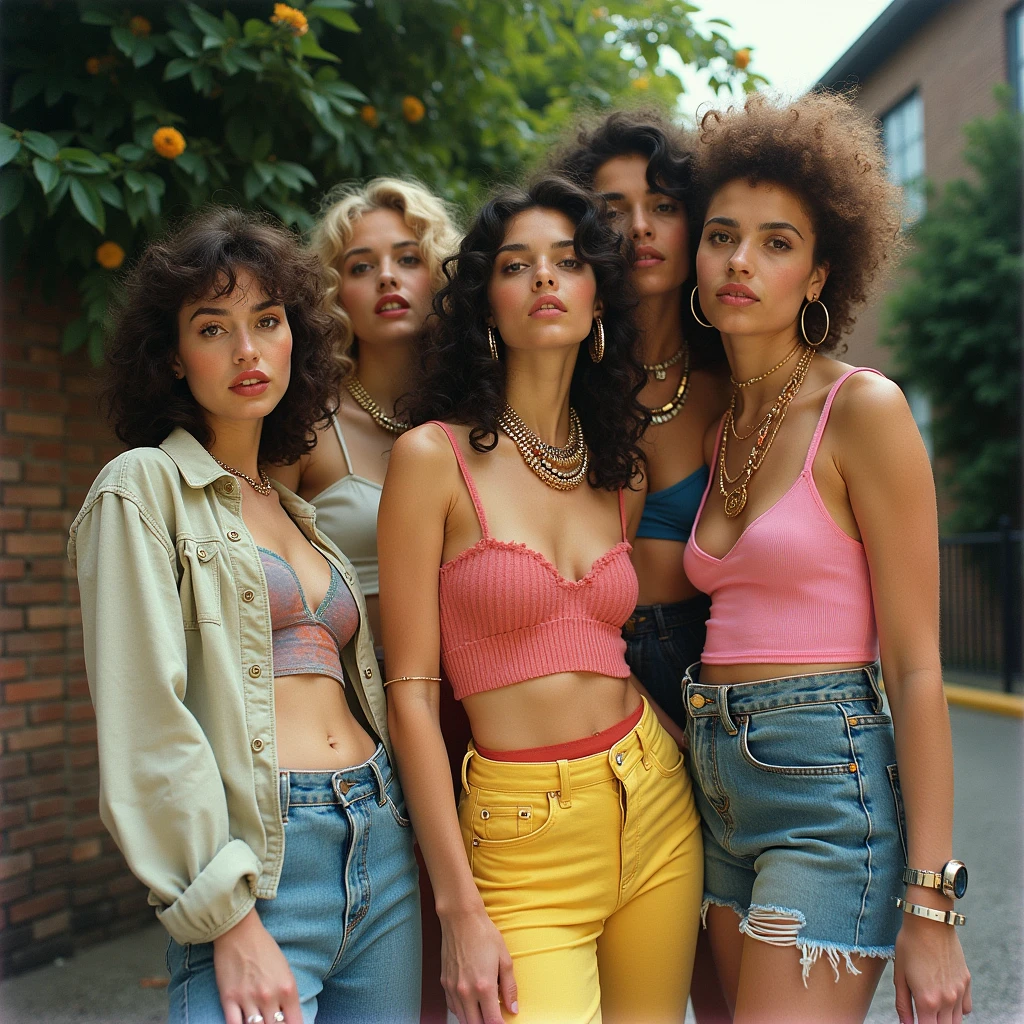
(930, 967)
(475, 968)
(253, 977)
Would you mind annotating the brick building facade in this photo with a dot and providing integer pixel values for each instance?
(62, 880)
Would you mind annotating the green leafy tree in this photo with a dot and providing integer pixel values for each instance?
(120, 114)
(955, 324)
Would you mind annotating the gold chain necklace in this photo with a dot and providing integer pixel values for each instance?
(671, 408)
(658, 369)
(391, 424)
(262, 486)
(767, 373)
(561, 468)
(736, 496)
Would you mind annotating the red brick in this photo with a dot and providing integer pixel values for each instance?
(44, 473)
(12, 817)
(11, 619)
(34, 424)
(88, 849)
(81, 734)
(82, 757)
(51, 854)
(56, 924)
(13, 668)
(11, 398)
(38, 380)
(12, 718)
(37, 835)
(41, 357)
(25, 643)
(42, 713)
(54, 451)
(53, 568)
(47, 616)
(80, 453)
(35, 543)
(37, 906)
(38, 519)
(34, 593)
(12, 519)
(49, 760)
(81, 712)
(36, 689)
(30, 739)
(12, 568)
(22, 494)
(15, 889)
(16, 865)
(47, 807)
(78, 687)
(87, 827)
(10, 471)
(13, 768)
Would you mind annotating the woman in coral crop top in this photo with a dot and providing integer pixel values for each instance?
(817, 542)
(504, 554)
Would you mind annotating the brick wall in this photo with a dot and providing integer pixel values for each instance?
(62, 881)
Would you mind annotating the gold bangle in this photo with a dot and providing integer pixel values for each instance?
(402, 679)
(944, 916)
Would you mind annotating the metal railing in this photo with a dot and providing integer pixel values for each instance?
(980, 598)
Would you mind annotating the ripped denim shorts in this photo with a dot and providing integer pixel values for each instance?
(804, 833)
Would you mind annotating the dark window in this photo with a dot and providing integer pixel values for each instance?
(1015, 53)
(903, 133)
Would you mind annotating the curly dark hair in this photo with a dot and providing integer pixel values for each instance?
(205, 254)
(647, 132)
(462, 383)
(828, 152)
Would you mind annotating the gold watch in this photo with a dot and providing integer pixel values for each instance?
(951, 881)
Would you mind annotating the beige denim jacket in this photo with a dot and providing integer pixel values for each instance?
(178, 652)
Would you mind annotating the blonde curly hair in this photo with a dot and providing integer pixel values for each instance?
(430, 218)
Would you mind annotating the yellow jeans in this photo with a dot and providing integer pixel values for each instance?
(592, 870)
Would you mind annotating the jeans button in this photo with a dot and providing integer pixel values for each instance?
(619, 758)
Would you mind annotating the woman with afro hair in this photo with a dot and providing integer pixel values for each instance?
(817, 542)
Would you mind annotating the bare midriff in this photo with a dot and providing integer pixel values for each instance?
(722, 674)
(659, 570)
(316, 731)
(549, 710)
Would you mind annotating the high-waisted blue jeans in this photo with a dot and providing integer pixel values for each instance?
(347, 912)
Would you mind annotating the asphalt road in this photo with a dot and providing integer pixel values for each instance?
(101, 985)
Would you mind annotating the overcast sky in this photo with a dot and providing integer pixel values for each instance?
(792, 42)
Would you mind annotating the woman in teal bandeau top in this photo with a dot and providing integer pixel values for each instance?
(642, 167)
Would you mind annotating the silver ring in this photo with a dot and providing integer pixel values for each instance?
(279, 1017)
(256, 1018)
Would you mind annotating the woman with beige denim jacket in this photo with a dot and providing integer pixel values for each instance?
(245, 768)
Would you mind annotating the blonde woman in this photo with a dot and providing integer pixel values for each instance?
(381, 247)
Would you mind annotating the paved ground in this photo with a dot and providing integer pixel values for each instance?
(101, 985)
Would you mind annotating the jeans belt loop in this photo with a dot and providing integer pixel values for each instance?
(382, 792)
(874, 675)
(465, 768)
(283, 791)
(659, 618)
(564, 785)
(644, 748)
(722, 695)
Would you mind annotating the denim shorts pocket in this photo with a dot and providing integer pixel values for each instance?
(807, 740)
(897, 794)
(396, 802)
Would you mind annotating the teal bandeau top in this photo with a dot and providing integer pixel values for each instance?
(669, 513)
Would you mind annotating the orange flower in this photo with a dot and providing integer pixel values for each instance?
(93, 65)
(369, 116)
(295, 19)
(110, 255)
(139, 26)
(641, 83)
(169, 142)
(742, 58)
(413, 109)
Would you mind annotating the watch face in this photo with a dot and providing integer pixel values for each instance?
(960, 882)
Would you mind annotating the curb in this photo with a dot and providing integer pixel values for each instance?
(1011, 704)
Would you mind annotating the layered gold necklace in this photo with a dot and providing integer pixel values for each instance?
(562, 468)
(734, 488)
(658, 369)
(391, 424)
(671, 409)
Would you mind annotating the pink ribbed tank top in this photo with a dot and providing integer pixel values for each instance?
(794, 588)
(507, 614)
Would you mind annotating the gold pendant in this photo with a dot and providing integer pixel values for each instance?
(735, 501)
(660, 374)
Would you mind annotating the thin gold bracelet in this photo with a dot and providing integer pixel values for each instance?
(402, 679)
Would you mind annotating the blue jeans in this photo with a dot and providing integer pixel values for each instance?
(347, 912)
(661, 641)
(804, 834)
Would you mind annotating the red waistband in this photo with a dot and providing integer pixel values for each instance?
(585, 747)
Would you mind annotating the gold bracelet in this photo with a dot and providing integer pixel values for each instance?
(402, 679)
(944, 916)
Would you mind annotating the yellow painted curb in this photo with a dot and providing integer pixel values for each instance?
(985, 700)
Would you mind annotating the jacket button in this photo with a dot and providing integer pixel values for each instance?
(368, 672)
(248, 595)
(234, 535)
(257, 744)
(228, 487)
(203, 554)
(255, 671)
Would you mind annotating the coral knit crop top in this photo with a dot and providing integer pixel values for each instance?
(794, 588)
(507, 614)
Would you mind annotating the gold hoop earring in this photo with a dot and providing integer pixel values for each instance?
(693, 310)
(597, 340)
(803, 327)
(492, 341)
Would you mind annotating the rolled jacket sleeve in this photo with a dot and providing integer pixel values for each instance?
(161, 792)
